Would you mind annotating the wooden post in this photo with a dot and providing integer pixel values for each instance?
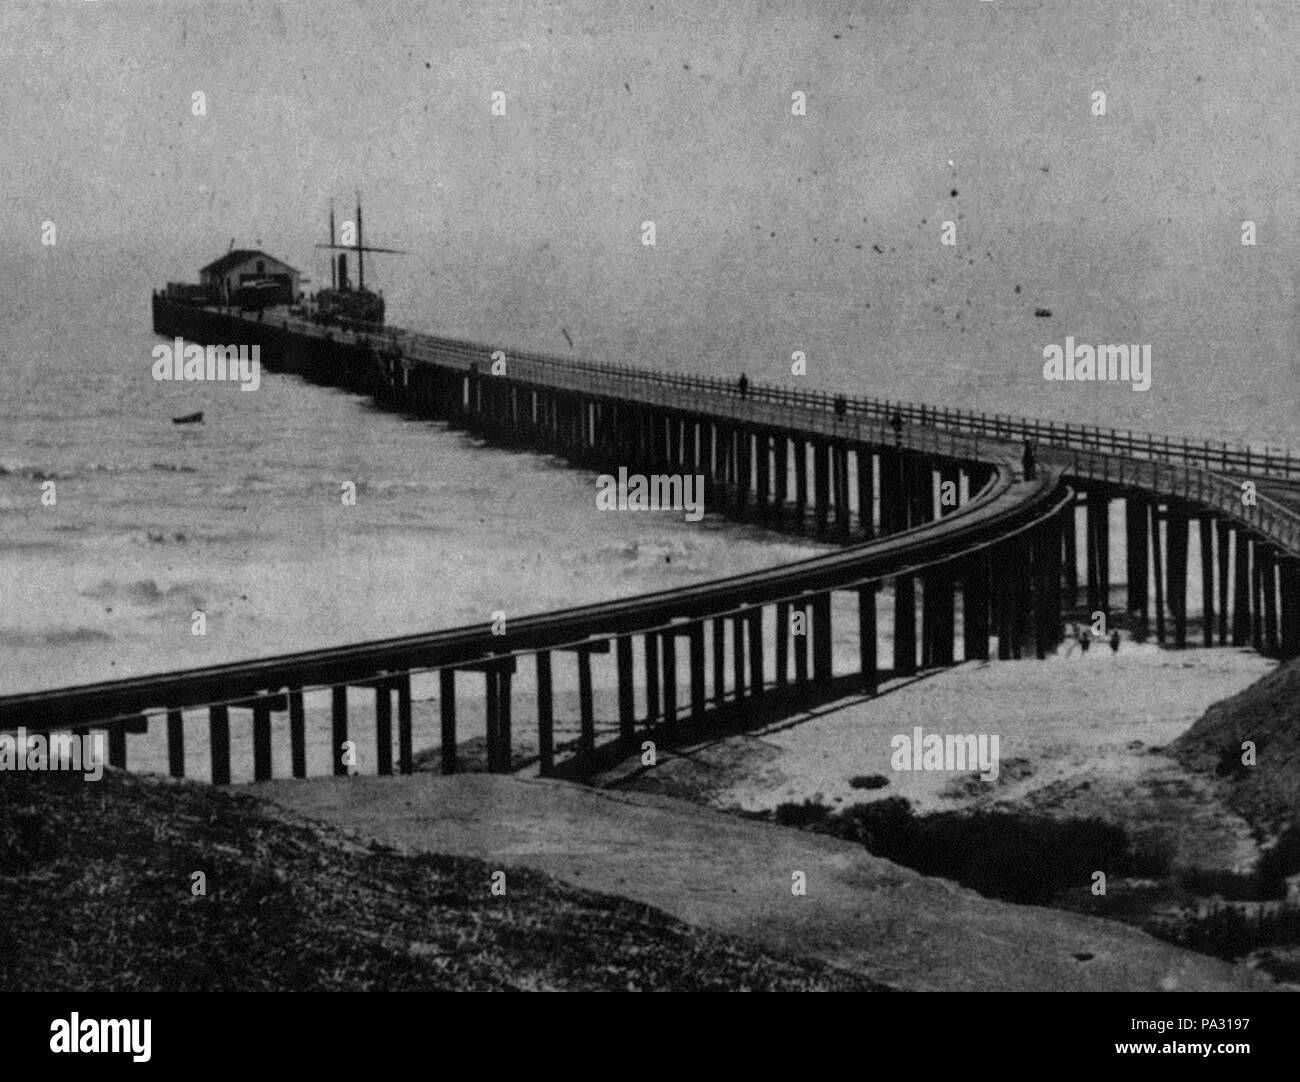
(545, 706)
(1223, 555)
(1268, 560)
(801, 483)
(219, 743)
(866, 494)
(801, 645)
(743, 457)
(782, 470)
(975, 608)
(1070, 557)
(1207, 578)
(384, 728)
(1241, 590)
(586, 709)
(821, 483)
(842, 523)
(756, 681)
(405, 751)
(867, 637)
(719, 660)
(175, 744)
(297, 734)
(668, 647)
(505, 745)
(447, 712)
(698, 704)
(626, 688)
(782, 643)
(1177, 556)
(339, 728)
(651, 677)
(738, 654)
(261, 738)
(1257, 596)
(1158, 563)
(904, 625)
(1135, 557)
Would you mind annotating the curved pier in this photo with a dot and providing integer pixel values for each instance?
(934, 504)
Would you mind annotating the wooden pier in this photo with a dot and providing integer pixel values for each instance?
(936, 510)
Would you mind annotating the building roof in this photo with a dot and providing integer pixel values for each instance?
(239, 255)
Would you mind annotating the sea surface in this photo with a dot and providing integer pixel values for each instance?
(241, 518)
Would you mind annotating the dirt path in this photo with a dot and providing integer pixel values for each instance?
(734, 875)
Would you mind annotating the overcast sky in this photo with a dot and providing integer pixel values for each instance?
(1127, 224)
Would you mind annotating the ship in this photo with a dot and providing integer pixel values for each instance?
(342, 304)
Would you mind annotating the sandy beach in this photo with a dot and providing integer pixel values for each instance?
(1080, 736)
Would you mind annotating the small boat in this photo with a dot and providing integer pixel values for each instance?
(189, 419)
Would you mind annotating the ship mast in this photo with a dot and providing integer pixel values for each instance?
(360, 248)
(334, 282)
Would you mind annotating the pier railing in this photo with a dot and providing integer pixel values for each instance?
(1179, 469)
(1265, 516)
(1206, 454)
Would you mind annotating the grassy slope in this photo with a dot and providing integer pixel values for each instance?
(1268, 713)
(95, 893)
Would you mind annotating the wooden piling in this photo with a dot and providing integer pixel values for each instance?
(219, 743)
(175, 744)
(339, 728)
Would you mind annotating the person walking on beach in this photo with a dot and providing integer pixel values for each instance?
(744, 384)
(1085, 638)
(1114, 642)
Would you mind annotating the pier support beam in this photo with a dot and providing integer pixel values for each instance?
(1207, 577)
(781, 469)
(1098, 553)
(867, 644)
(822, 644)
(866, 494)
(1289, 587)
(1070, 557)
(546, 705)
(904, 625)
(447, 715)
(1177, 553)
(821, 485)
(1223, 555)
(1158, 566)
(801, 483)
(1268, 578)
(975, 608)
(1241, 589)
(1136, 560)
(841, 473)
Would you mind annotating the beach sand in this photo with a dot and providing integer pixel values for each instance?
(1080, 736)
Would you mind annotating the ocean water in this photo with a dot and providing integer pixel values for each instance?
(242, 517)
